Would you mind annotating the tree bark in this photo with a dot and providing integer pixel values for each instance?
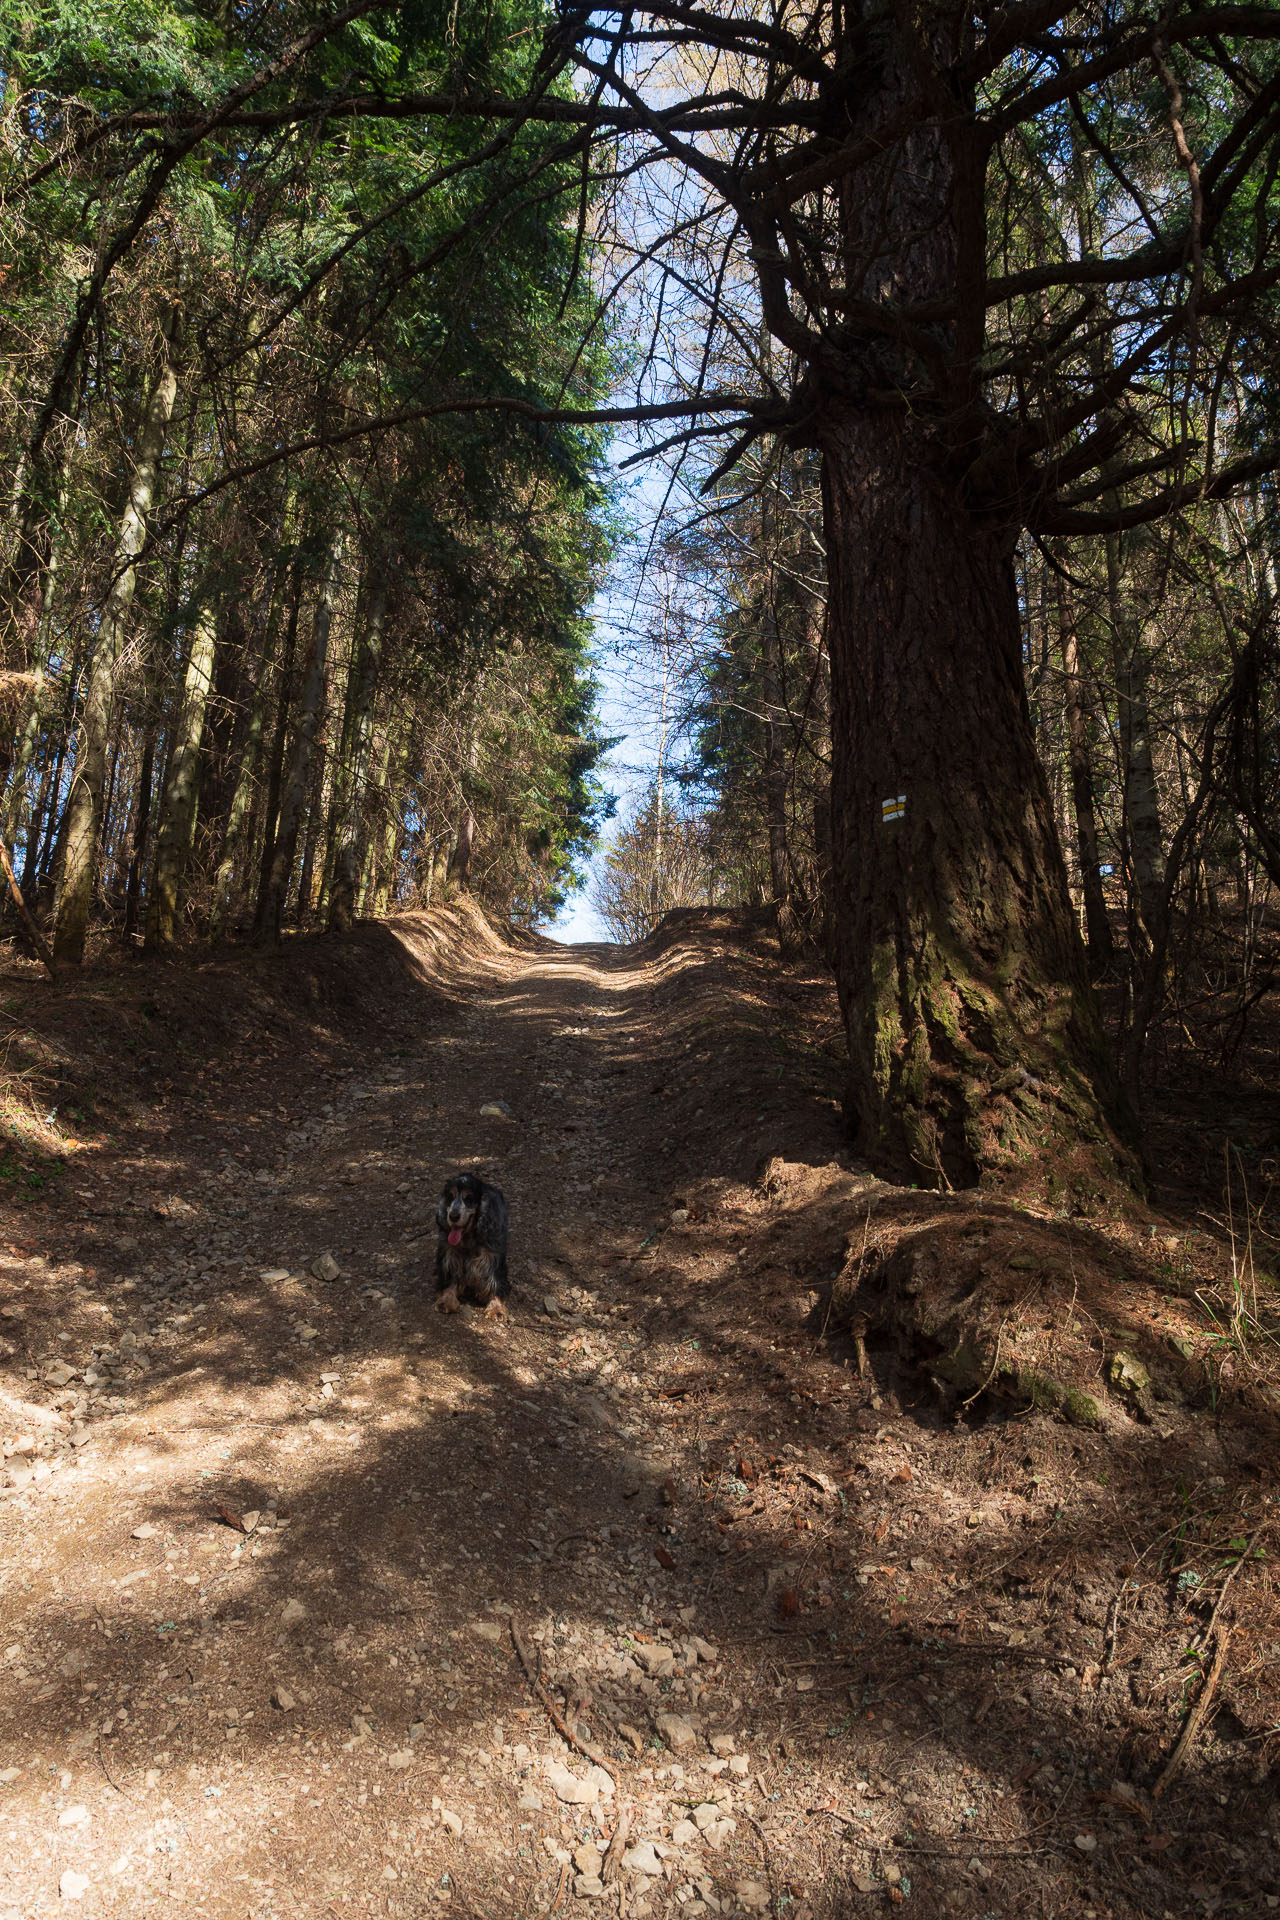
(775, 757)
(1143, 833)
(358, 743)
(272, 899)
(974, 1038)
(246, 745)
(175, 831)
(39, 860)
(83, 822)
(28, 734)
(1097, 926)
(141, 831)
(383, 843)
(275, 766)
(306, 905)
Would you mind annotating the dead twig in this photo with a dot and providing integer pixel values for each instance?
(611, 1866)
(1247, 1554)
(768, 1864)
(1113, 1628)
(111, 1779)
(933, 1853)
(1196, 1716)
(550, 1708)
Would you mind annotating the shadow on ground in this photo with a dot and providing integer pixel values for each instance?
(941, 1644)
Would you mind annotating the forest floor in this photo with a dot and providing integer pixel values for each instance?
(302, 1585)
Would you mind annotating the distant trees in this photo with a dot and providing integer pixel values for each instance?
(265, 667)
(658, 859)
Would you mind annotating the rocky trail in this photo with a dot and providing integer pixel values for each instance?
(677, 1593)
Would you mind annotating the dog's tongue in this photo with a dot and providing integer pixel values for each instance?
(455, 1236)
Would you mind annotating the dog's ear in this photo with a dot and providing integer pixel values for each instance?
(441, 1204)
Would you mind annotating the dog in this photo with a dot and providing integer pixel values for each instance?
(471, 1249)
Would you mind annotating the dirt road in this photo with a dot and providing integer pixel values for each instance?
(304, 1585)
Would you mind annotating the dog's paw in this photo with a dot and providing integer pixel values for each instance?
(448, 1301)
(496, 1310)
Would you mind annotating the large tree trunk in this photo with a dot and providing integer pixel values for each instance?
(974, 1039)
(973, 1034)
(83, 823)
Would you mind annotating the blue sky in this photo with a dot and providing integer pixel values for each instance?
(629, 706)
(630, 684)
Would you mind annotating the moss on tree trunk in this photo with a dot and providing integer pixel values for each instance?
(975, 1042)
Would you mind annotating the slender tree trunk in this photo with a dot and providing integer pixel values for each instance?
(818, 729)
(84, 804)
(33, 716)
(1143, 834)
(141, 831)
(36, 861)
(358, 738)
(35, 826)
(271, 903)
(175, 830)
(775, 756)
(245, 750)
(375, 820)
(339, 784)
(103, 870)
(385, 846)
(1097, 926)
(226, 721)
(312, 841)
(27, 587)
(275, 766)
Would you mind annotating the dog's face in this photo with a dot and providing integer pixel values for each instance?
(459, 1205)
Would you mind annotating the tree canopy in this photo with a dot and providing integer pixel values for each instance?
(1010, 271)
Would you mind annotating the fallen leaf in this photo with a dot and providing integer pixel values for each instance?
(664, 1558)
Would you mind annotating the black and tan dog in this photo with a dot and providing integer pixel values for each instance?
(471, 1251)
